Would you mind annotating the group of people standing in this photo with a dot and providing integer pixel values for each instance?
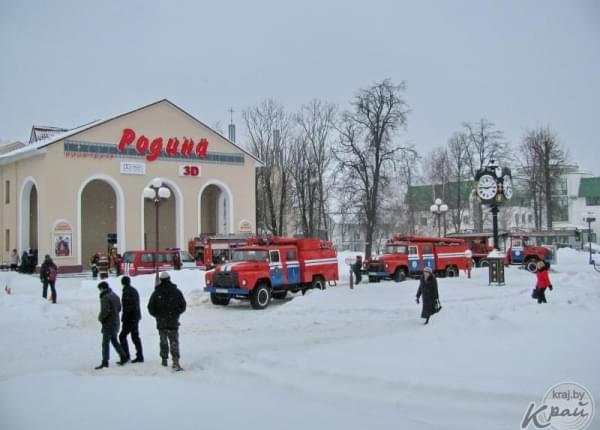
(166, 305)
(24, 264)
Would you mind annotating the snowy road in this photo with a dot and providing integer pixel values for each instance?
(340, 358)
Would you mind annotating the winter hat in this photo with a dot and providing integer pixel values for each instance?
(126, 280)
(428, 270)
(164, 275)
(103, 285)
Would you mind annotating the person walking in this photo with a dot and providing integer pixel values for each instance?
(48, 272)
(429, 290)
(542, 282)
(131, 317)
(166, 305)
(357, 269)
(110, 306)
(14, 260)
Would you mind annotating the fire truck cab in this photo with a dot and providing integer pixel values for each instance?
(407, 256)
(266, 268)
(519, 252)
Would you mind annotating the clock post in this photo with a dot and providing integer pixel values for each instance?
(494, 187)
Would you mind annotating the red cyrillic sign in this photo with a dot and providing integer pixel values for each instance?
(152, 148)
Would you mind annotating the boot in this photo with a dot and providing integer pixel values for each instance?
(102, 365)
(124, 360)
(427, 320)
(176, 365)
(138, 359)
(164, 362)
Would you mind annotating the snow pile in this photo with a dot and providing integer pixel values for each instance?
(338, 358)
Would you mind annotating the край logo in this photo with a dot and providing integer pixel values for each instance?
(565, 406)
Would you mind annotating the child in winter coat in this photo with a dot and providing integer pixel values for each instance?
(543, 282)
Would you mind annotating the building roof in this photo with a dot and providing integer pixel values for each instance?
(423, 196)
(589, 187)
(41, 132)
(35, 147)
(10, 146)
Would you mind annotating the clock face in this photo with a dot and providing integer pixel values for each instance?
(487, 188)
(508, 191)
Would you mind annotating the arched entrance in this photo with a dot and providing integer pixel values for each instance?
(216, 213)
(167, 221)
(98, 218)
(29, 216)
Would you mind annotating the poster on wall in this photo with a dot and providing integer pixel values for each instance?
(62, 239)
(245, 226)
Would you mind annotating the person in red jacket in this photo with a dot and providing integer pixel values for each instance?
(543, 282)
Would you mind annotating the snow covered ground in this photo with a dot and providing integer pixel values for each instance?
(339, 358)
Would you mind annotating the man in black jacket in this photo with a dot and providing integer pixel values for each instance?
(110, 306)
(131, 318)
(166, 305)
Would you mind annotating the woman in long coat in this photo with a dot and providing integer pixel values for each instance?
(429, 290)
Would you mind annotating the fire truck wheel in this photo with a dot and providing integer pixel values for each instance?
(318, 283)
(451, 272)
(483, 263)
(280, 295)
(531, 265)
(260, 297)
(219, 300)
(399, 275)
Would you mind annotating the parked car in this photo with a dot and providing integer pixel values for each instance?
(141, 262)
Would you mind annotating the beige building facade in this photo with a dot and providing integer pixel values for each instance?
(65, 194)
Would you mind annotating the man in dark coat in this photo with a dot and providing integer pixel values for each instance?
(357, 269)
(166, 305)
(110, 306)
(48, 272)
(131, 318)
(429, 290)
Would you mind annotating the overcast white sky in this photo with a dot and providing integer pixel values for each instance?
(517, 63)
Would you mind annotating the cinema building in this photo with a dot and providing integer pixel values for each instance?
(67, 192)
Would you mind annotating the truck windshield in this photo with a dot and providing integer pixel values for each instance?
(249, 255)
(397, 249)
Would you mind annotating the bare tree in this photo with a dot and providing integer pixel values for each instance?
(310, 167)
(408, 175)
(366, 152)
(483, 143)
(544, 162)
(457, 153)
(269, 131)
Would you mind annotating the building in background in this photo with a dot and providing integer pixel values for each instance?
(70, 193)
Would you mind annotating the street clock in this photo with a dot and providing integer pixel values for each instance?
(494, 184)
(487, 187)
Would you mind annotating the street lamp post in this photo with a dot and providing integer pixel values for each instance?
(439, 209)
(157, 193)
(590, 219)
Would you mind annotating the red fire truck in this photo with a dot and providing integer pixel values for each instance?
(270, 267)
(408, 255)
(210, 250)
(480, 244)
(516, 247)
(519, 252)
